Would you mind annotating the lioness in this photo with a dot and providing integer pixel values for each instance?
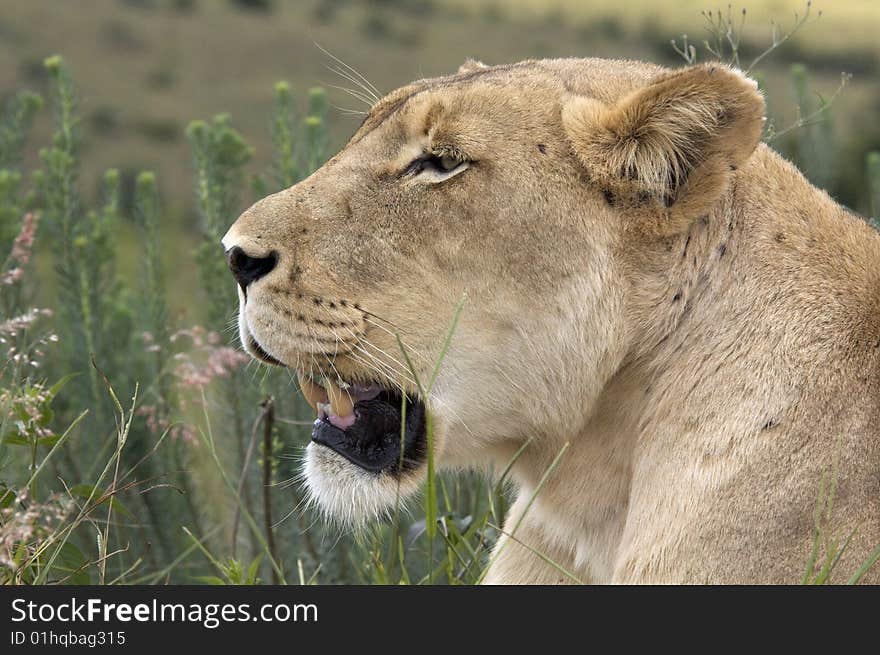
(645, 282)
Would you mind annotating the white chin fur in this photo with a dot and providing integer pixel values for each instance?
(348, 494)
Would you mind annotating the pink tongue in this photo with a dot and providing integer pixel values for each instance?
(355, 393)
(342, 422)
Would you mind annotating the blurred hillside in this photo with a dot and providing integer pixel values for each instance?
(145, 68)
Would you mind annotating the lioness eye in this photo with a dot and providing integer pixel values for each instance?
(436, 167)
(446, 163)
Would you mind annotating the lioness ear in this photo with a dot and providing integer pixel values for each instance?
(471, 65)
(673, 142)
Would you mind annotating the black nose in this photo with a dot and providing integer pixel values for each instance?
(247, 269)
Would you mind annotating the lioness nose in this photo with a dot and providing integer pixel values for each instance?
(247, 269)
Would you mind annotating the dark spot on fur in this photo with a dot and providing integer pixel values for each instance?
(334, 340)
(609, 197)
(644, 197)
(317, 301)
(344, 303)
(771, 423)
(318, 321)
(332, 305)
(305, 230)
(542, 148)
(704, 220)
(299, 296)
(780, 237)
(301, 318)
(285, 311)
(721, 250)
(732, 167)
(677, 296)
(687, 242)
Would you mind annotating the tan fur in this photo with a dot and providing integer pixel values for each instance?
(470, 65)
(644, 282)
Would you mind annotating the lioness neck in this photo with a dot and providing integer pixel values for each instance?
(735, 328)
(774, 254)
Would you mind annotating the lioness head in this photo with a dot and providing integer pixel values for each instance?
(527, 190)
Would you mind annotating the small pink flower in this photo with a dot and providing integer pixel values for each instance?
(22, 248)
(24, 242)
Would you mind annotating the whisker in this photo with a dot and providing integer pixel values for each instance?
(348, 111)
(352, 92)
(457, 416)
(401, 370)
(410, 349)
(370, 344)
(288, 515)
(509, 379)
(364, 80)
(384, 320)
(385, 373)
(347, 76)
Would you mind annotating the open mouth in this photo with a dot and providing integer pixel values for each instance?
(375, 428)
